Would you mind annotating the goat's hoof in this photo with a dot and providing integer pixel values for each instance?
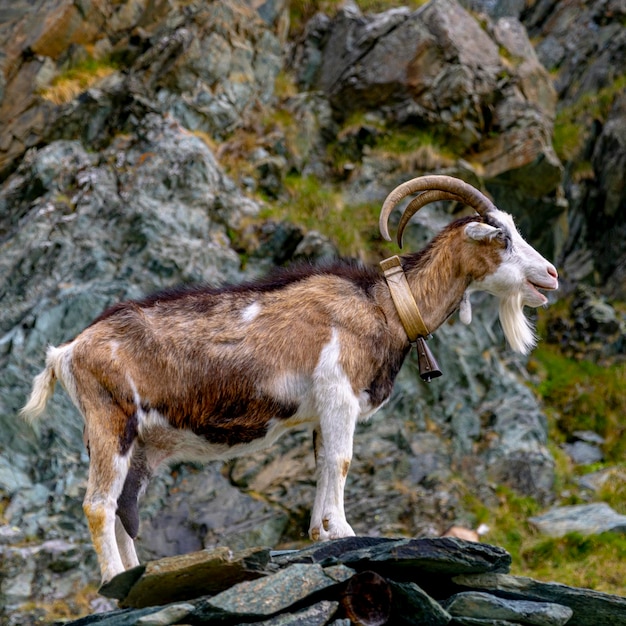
(333, 529)
(119, 585)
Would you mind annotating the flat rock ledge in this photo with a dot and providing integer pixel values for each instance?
(359, 580)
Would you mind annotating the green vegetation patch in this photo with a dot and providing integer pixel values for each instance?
(574, 122)
(595, 561)
(582, 395)
(507, 521)
(73, 81)
(315, 205)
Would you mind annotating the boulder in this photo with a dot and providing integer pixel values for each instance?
(585, 519)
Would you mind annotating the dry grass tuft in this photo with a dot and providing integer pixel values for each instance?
(72, 83)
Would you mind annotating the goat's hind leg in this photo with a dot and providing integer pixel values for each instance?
(108, 469)
(127, 519)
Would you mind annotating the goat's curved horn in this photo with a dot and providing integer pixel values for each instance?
(434, 188)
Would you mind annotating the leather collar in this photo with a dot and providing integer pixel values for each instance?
(410, 316)
(403, 299)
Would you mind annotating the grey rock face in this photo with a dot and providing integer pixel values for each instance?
(583, 453)
(437, 67)
(66, 564)
(496, 8)
(584, 46)
(593, 328)
(88, 236)
(476, 87)
(609, 161)
(201, 509)
(211, 65)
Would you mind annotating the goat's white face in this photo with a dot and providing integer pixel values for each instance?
(523, 270)
(517, 280)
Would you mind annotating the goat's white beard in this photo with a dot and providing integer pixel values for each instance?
(517, 329)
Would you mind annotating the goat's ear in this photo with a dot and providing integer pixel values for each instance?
(479, 231)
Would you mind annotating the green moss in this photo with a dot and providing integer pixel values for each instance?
(569, 138)
(613, 488)
(582, 170)
(415, 149)
(377, 6)
(573, 122)
(285, 85)
(406, 140)
(316, 205)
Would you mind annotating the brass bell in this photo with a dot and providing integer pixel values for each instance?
(429, 368)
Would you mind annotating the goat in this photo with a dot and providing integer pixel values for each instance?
(199, 373)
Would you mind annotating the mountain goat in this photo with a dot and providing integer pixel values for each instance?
(201, 373)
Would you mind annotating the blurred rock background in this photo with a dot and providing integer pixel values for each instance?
(145, 143)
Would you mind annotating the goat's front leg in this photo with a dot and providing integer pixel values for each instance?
(333, 454)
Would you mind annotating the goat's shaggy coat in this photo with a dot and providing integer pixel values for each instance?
(200, 373)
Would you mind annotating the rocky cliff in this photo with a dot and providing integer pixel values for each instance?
(148, 143)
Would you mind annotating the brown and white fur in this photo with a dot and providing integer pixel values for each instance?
(200, 373)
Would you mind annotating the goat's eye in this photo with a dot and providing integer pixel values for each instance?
(504, 238)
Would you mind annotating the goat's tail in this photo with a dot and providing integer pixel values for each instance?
(43, 385)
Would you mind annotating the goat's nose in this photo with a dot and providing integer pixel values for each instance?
(552, 271)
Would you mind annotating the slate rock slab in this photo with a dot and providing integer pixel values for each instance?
(132, 617)
(171, 614)
(187, 576)
(315, 615)
(429, 555)
(444, 555)
(267, 596)
(482, 605)
(330, 552)
(477, 621)
(413, 606)
(591, 608)
(587, 519)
